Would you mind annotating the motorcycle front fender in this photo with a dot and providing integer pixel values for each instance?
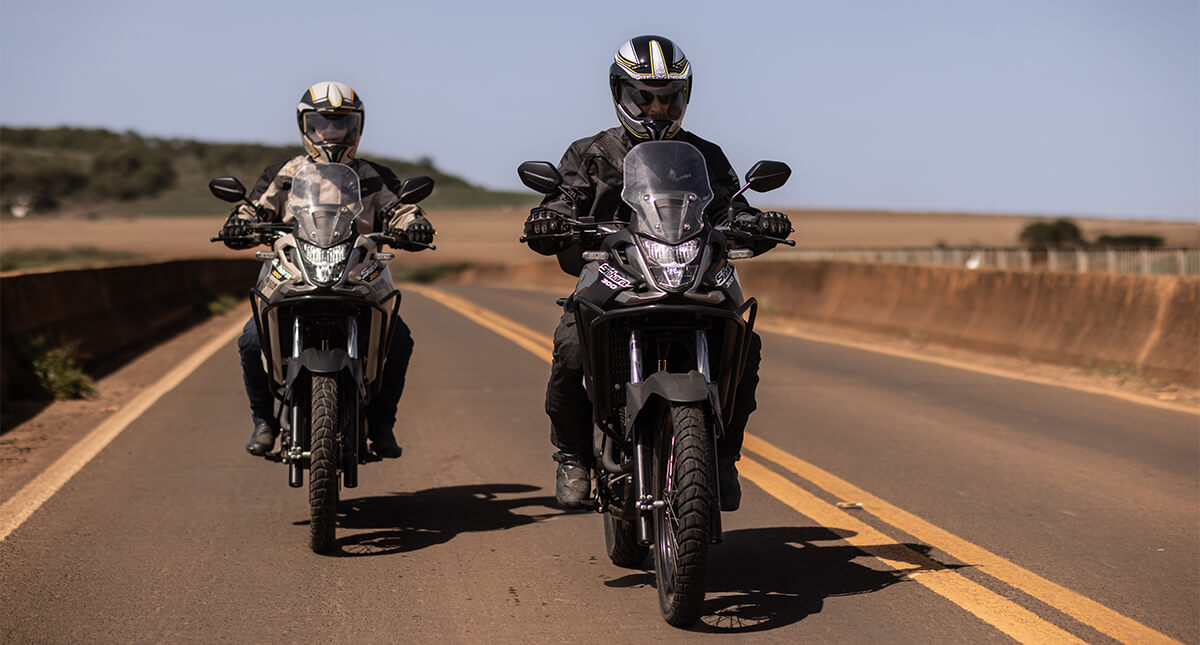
(671, 387)
(316, 361)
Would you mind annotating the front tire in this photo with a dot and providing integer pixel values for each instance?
(323, 468)
(620, 541)
(683, 463)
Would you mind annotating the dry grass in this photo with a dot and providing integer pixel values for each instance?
(490, 235)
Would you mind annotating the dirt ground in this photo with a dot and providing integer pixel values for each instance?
(491, 235)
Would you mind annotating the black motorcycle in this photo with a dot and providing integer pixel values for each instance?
(325, 308)
(664, 331)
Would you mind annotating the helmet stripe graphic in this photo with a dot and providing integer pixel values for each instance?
(658, 62)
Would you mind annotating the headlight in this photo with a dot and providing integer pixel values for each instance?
(673, 267)
(324, 265)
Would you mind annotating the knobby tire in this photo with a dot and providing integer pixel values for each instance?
(620, 541)
(323, 469)
(683, 527)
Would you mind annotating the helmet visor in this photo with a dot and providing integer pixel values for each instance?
(332, 127)
(657, 100)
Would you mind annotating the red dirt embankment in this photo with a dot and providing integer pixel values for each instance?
(1151, 323)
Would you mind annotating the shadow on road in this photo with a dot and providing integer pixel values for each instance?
(761, 579)
(404, 522)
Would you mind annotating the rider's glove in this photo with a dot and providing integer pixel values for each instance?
(775, 224)
(236, 232)
(419, 231)
(547, 231)
(769, 223)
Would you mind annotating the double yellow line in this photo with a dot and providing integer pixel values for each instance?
(1002, 613)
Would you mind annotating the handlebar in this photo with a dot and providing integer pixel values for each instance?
(260, 233)
(399, 243)
(730, 232)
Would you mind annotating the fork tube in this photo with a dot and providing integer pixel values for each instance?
(352, 339)
(641, 475)
(635, 359)
(350, 429)
(702, 355)
(645, 495)
(296, 465)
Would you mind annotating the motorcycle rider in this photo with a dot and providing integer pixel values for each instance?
(330, 116)
(651, 84)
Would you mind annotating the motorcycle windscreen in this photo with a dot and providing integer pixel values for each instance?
(666, 184)
(325, 200)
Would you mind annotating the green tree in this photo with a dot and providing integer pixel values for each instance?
(1061, 233)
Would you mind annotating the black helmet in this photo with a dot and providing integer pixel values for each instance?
(651, 83)
(330, 116)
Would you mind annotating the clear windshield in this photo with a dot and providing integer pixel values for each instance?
(666, 184)
(325, 201)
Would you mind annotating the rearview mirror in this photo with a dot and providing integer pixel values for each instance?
(767, 175)
(227, 189)
(541, 176)
(414, 189)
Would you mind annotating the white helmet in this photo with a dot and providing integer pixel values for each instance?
(330, 116)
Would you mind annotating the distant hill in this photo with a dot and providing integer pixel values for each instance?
(123, 173)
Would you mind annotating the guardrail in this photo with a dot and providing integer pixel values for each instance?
(1176, 261)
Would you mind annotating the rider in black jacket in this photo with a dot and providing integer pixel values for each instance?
(651, 82)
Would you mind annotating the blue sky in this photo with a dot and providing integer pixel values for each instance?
(1054, 107)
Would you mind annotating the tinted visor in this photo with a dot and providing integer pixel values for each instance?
(332, 127)
(661, 99)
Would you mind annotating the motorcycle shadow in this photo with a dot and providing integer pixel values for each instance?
(767, 578)
(404, 522)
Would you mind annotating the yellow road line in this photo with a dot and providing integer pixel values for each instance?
(19, 507)
(1004, 614)
(1017, 622)
(1077, 606)
(537, 344)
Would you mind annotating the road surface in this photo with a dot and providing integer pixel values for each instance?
(981, 509)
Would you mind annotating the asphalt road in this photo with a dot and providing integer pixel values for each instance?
(991, 510)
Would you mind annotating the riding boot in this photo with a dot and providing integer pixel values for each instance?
(573, 482)
(262, 439)
(383, 442)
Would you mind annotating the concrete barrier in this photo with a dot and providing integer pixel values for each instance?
(107, 311)
(1149, 322)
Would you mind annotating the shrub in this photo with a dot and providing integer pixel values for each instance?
(1131, 241)
(58, 373)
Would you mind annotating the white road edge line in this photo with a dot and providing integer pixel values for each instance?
(26, 501)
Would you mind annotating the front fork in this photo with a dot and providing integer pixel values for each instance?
(645, 500)
(296, 454)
